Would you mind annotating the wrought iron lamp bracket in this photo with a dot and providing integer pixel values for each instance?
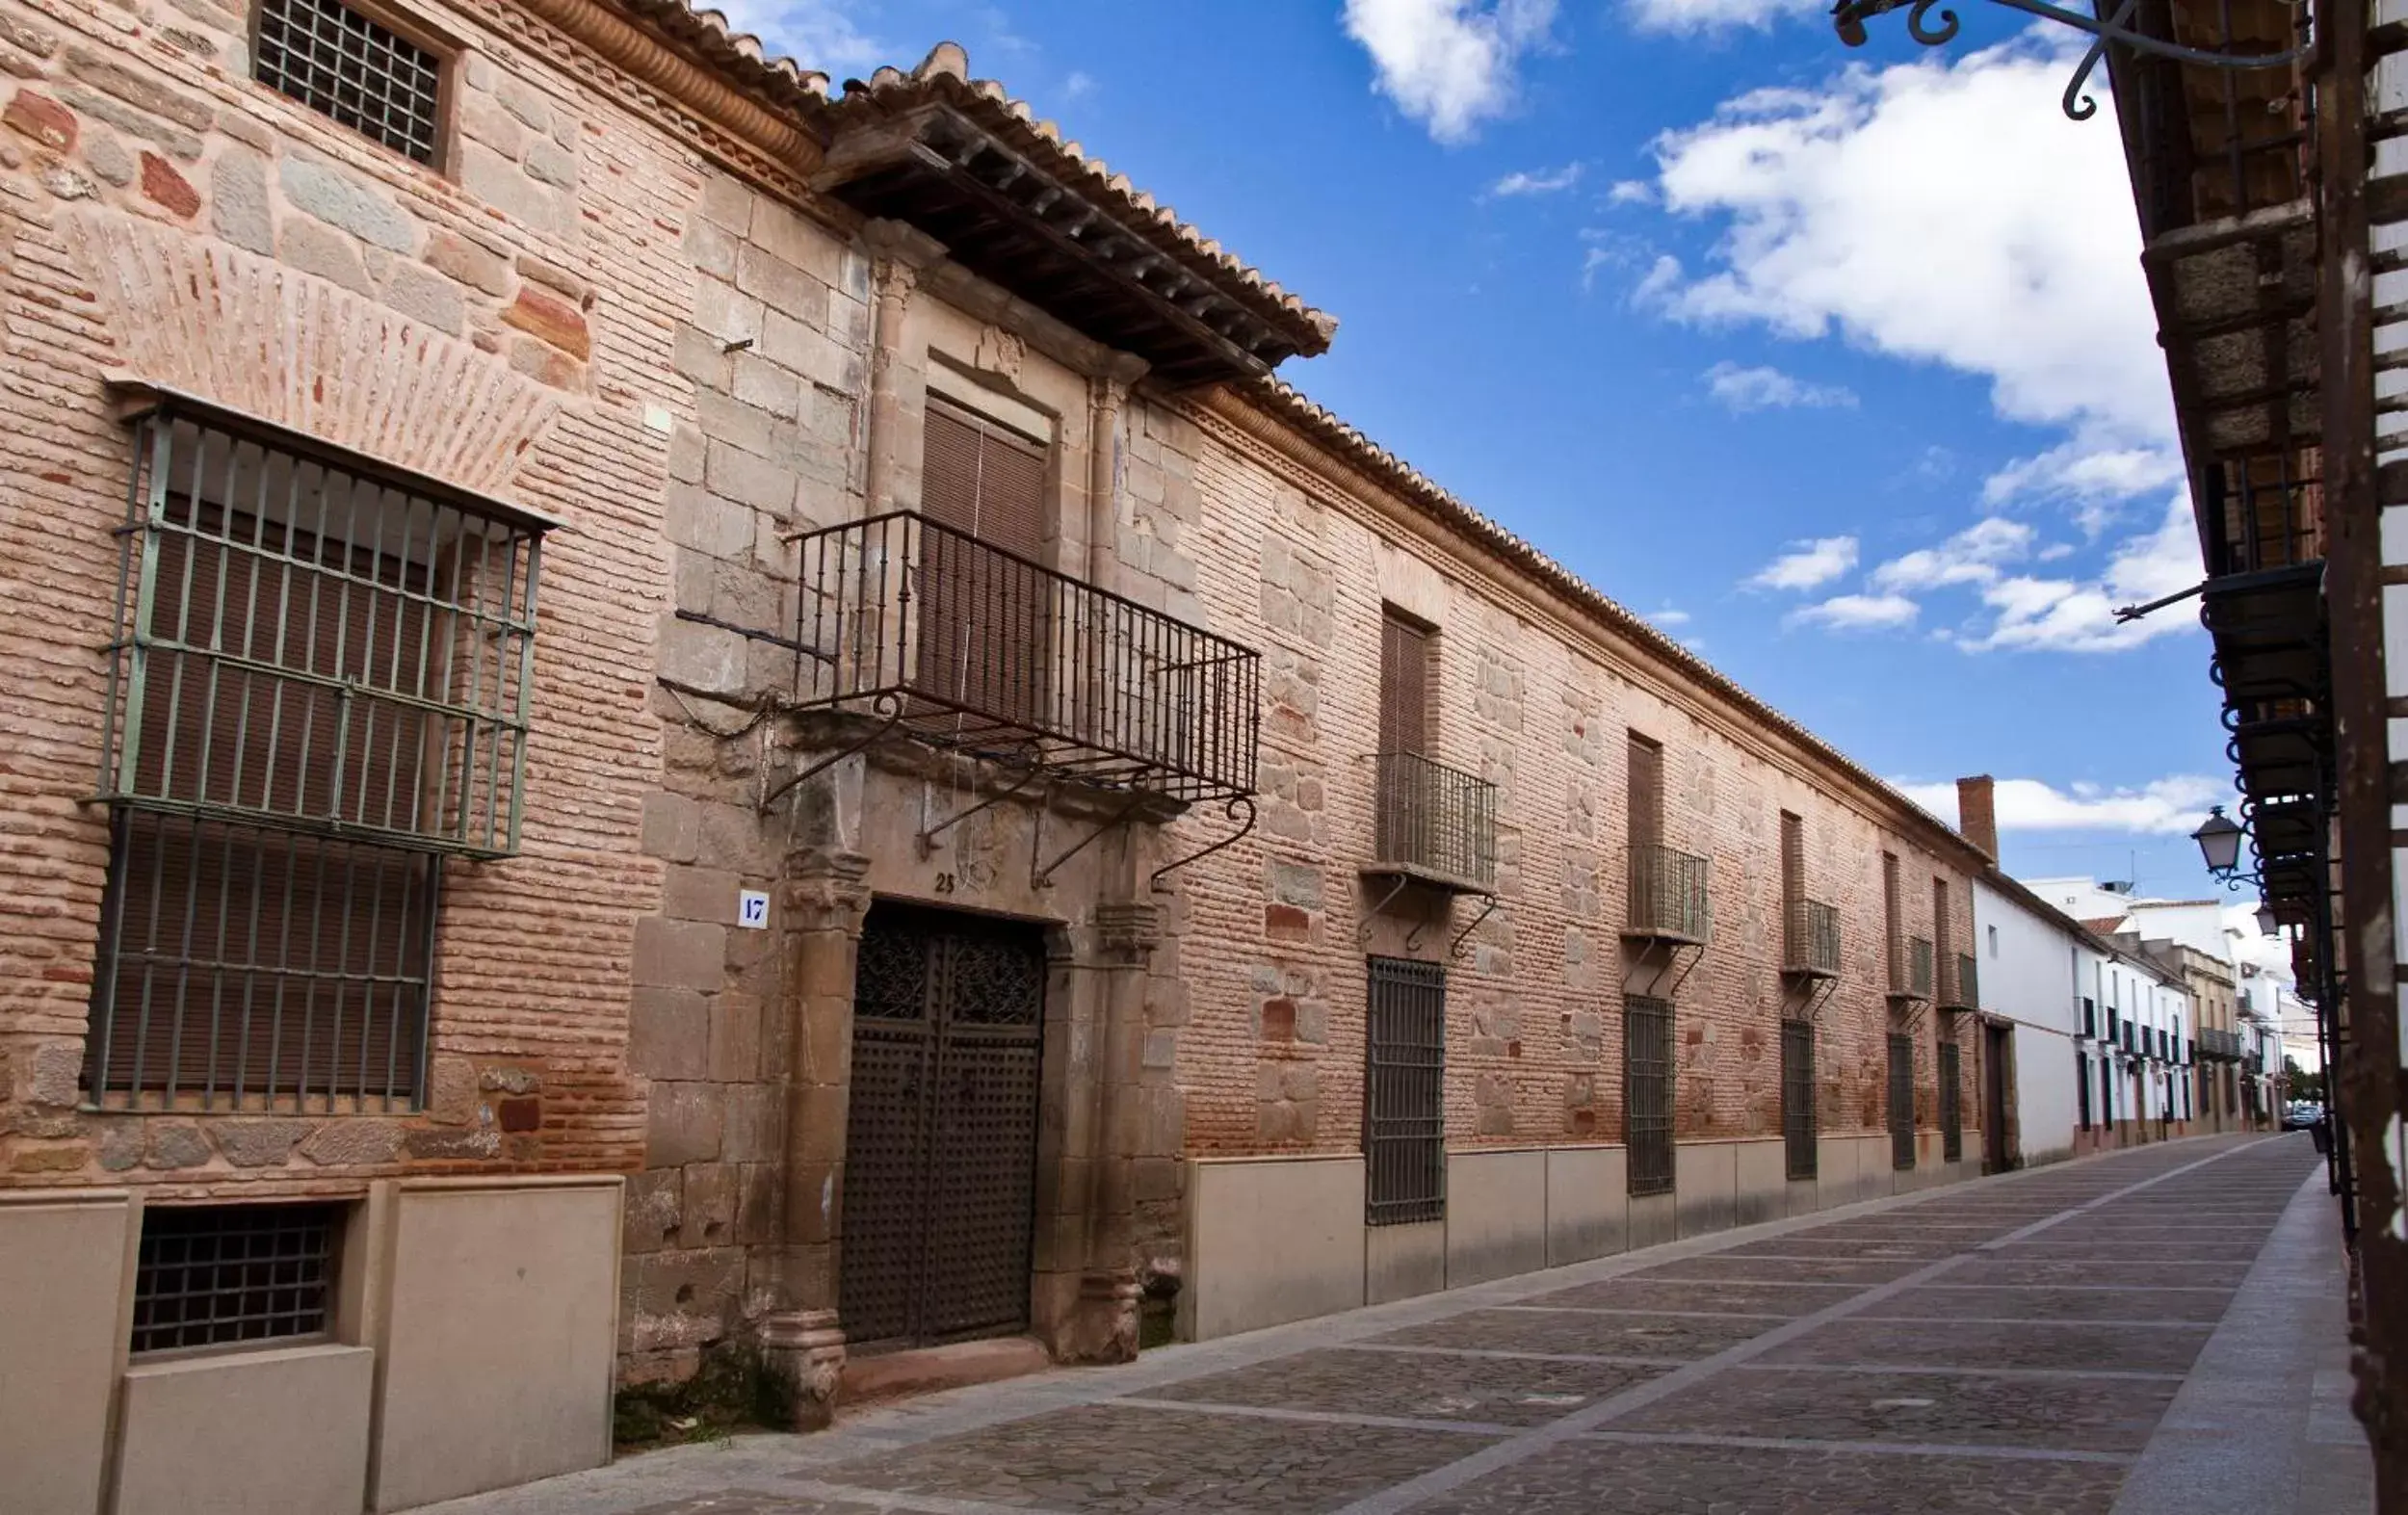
(1238, 804)
(1848, 18)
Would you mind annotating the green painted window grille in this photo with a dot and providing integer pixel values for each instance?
(1797, 1097)
(318, 691)
(1647, 1091)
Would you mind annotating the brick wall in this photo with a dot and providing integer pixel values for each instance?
(1299, 561)
(160, 214)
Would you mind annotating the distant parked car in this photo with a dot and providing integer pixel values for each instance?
(2303, 1115)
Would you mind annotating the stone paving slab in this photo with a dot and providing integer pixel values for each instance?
(1742, 1374)
(1107, 1459)
(1623, 1479)
(2060, 1414)
(2202, 1307)
(1725, 1297)
(1761, 1269)
(1662, 1337)
(2070, 1345)
(2058, 1271)
(1503, 1390)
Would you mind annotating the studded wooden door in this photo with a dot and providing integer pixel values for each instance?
(940, 1141)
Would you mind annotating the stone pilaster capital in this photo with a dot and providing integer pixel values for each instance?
(900, 250)
(1127, 931)
(826, 891)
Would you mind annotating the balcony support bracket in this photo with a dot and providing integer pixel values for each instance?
(1675, 964)
(888, 705)
(1370, 917)
(1042, 875)
(1240, 805)
(1820, 991)
(1455, 949)
(925, 840)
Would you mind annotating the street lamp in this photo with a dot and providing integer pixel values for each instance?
(1848, 18)
(2268, 924)
(2219, 843)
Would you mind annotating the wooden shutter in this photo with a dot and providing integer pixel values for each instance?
(1646, 792)
(949, 470)
(1892, 929)
(1940, 923)
(983, 480)
(1792, 862)
(1403, 685)
(986, 619)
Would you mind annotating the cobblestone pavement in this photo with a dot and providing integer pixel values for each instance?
(1995, 1349)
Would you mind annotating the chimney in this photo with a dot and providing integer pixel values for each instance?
(1977, 813)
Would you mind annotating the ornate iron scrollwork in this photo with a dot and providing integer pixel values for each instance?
(1848, 18)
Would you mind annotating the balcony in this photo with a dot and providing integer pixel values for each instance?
(1434, 825)
(964, 646)
(1811, 940)
(2218, 1046)
(1960, 988)
(1910, 968)
(1668, 897)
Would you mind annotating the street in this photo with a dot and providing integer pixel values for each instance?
(2159, 1329)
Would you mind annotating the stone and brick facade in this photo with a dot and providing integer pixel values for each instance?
(616, 299)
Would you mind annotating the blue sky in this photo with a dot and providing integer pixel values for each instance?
(1838, 362)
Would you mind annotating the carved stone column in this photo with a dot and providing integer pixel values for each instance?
(825, 900)
(1103, 1327)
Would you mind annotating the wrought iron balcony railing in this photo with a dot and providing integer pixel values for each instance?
(1962, 988)
(1811, 939)
(966, 646)
(1910, 968)
(1668, 896)
(2220, 1045)
(1434, 824)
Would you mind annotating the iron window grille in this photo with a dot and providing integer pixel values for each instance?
(1435, 822)
(976, 648)
(353, 70)
(1964, 987)
(318, 690)
(1647, 1091)
(1405, 1095)
(1952, 1115)
(1797, 1097)
(1902, 1100)
(1669, 894)
(221, 1275)
(1811, 939)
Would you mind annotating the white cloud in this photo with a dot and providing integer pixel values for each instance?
(1079, 85)
(1710, 15)
(1940, 211)
(2078, 616)
(1769, 388)
(2095, 478)
(1449, 64)
(1806, 564)
(1972, 555)
(2174, 804)
(1668, 618)
(1543, 181)
(1630, 192)
(818, 33)
(1857, 612)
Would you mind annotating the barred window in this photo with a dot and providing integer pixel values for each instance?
(1647, 1092)
(1902, 1100)
(1951, 1117)
(353, 70)
(1797, 1097)
(216, 1275)
(318, 691)
(1405, 1110)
